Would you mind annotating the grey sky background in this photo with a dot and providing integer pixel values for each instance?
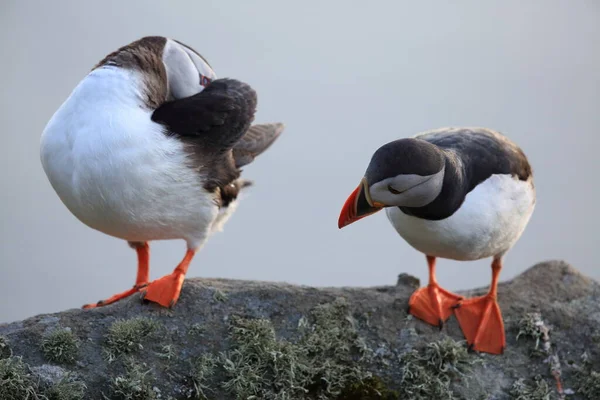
(345, 77)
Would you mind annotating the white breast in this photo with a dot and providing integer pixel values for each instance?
(488, 223)
(116, 170)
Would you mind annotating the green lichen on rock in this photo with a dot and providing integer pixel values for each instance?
(167, 352)
(589, 386)
(196, 330)
(337, 355)
(372, 388)
(536, 389)
(60, 346)
(220, 296)
(16, 382)
(128, 336)
(137, 383)
(5, 350)
(203, 371)
(529, 326)
(428, 372)
(588, 383)
(67, 389)
(258, 365)
(327, 360)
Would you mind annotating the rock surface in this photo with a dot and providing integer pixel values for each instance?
(203, 347)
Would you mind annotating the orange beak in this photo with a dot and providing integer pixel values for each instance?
(357, 206)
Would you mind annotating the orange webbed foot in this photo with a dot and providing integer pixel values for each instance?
(481, 322)
(143, 253)
(115, 298)
(433, 304)
(164, 291)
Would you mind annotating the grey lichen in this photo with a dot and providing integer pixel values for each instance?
(333, 349)
(128, 336)
(5, 350)
(529, 327)
(328, 359)
(588, 382)
(203, 371)
(196, 330)
(60, 346)
(167, 351)
(589, 386)
(220, 296)
(67, 389)
(428, 372)
(260, 366)
(16, 382)
(537, 389)
(371, 388)
(135, 384)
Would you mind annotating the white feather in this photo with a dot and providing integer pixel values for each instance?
(116, 170)
(488, 223)
(224, 214)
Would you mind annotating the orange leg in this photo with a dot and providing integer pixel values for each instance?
(432, 304)
(143, 253)
(481, 320)
(165, 291)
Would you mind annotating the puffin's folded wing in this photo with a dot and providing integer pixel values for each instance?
(218, 116)
(256, 140)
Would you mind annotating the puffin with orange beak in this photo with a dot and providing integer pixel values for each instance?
(456, 193)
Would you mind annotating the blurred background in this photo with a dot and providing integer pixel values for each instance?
(345, 78)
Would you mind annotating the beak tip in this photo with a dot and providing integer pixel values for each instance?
(342, 221)
(355, 208)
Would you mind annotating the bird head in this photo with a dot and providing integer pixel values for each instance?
(405, 173)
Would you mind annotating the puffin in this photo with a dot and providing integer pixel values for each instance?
(149, 146)
(459, 193)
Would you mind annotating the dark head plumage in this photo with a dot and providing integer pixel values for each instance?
(404, 157)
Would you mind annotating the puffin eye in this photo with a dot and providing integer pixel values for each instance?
(204, 81)
(392, 190)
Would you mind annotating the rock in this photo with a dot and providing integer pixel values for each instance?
(236, 339)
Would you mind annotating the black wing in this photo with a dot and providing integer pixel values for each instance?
(256, 140)
(481, 153)
(486, 152)
(215, 118)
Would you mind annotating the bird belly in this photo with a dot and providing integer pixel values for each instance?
(488, 223)
(117, 172)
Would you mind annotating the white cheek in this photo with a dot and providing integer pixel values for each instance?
(417, 190)
(405, 199)
(384, 196)
(183, 70)
(201, 66)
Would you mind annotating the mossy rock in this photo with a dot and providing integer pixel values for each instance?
(17, 383)
(588, 383)
(137, 383)
(279, 341)
(534, 389)
(5, 350)
(60, 346)
(127, 336)
(372, 388)
(67, 389)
